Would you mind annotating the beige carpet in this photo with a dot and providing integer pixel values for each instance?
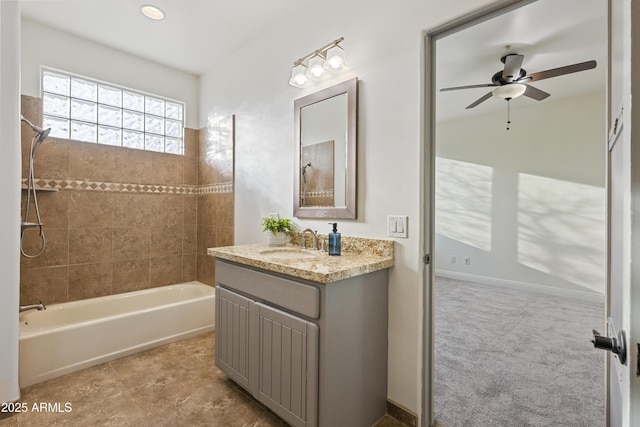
(512, 358)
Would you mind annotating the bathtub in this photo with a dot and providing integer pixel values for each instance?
(74, 335)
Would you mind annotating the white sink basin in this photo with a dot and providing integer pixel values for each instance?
(289, 253)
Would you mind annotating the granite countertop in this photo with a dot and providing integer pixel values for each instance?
(359, 256)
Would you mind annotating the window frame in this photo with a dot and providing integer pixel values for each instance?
(152, 126)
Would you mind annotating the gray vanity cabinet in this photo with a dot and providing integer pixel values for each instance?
(315, 354)
(287, 374)
(232, 335)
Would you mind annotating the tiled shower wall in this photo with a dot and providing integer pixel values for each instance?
(123, 219)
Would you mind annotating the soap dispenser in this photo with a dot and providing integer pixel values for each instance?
(334, 240)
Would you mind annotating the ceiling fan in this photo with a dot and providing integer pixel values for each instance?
(510, 82)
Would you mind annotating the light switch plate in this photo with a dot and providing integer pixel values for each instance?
(397, 226)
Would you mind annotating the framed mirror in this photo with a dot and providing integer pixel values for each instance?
(325, 152)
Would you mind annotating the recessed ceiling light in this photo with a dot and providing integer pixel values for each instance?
(152, 12)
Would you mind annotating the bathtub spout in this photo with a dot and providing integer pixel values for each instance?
(38, 307)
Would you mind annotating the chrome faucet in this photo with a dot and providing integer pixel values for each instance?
(303, 242)
(38, 307)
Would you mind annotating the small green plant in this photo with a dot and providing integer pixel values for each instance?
(276, 225)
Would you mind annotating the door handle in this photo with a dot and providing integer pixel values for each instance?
(617, 345)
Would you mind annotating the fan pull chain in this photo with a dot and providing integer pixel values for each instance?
(508, 113)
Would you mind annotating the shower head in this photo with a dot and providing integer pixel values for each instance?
(42, 133)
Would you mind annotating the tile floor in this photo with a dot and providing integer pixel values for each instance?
(173, 385)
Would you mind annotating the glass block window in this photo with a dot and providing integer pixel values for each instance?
(88, 110)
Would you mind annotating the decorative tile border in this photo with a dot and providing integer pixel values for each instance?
(317, 194)
(215, 188)
(118, 187)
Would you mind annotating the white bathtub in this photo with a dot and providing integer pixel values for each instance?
(74, 335)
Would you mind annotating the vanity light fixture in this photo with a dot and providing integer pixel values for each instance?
(152, 12)
(314, 65)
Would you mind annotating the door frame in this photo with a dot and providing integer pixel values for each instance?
(428, 179)
(623, 95)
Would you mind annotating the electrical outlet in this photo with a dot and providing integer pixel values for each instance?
(467, 261)
(397, 226)
(453, 259)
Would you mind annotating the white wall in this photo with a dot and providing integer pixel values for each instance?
(383, 45)
(45, 46)
(10, 196)
(526, 205)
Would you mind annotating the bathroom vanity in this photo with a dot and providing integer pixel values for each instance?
(306, 333)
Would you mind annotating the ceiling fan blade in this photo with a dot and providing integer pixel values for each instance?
(512, 65)
(480, 101)
(555, 72)
(466, 87)
(535, 93)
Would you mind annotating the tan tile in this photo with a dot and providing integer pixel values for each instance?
(132, 166)
(200, 268)
(205, 171)
(225, 211)
(224, 236)
(53, 206)
(190, 171)
(208, 270)
(189, 263)
(9, 419)
(56, 247)
(191, 142)
(131, 210)
(52, 159)
(31, 108)
(95, 395)
(166, 169)
(166, 240)
(90, 209)
(190, 210)
(167, 210)
(130, 275)
(97, 381)
(48, 284)
(189, 239)
(208, 209)
(207, 238)
(131, 242)
(166, 270)
(93, 162)
(90, 280)
(90, 245)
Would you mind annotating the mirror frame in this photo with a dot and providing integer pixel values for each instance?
(349, 87)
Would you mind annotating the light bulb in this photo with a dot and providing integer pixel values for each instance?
(316, 69)
(298, 76)
(335, 60)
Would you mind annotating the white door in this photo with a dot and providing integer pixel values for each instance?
(623, 296)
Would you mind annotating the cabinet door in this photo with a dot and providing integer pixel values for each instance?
(233, 335)
(288, 374)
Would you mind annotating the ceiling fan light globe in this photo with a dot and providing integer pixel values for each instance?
(510, 91)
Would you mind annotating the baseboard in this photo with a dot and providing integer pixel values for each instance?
(401, 414)
(531, 287)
